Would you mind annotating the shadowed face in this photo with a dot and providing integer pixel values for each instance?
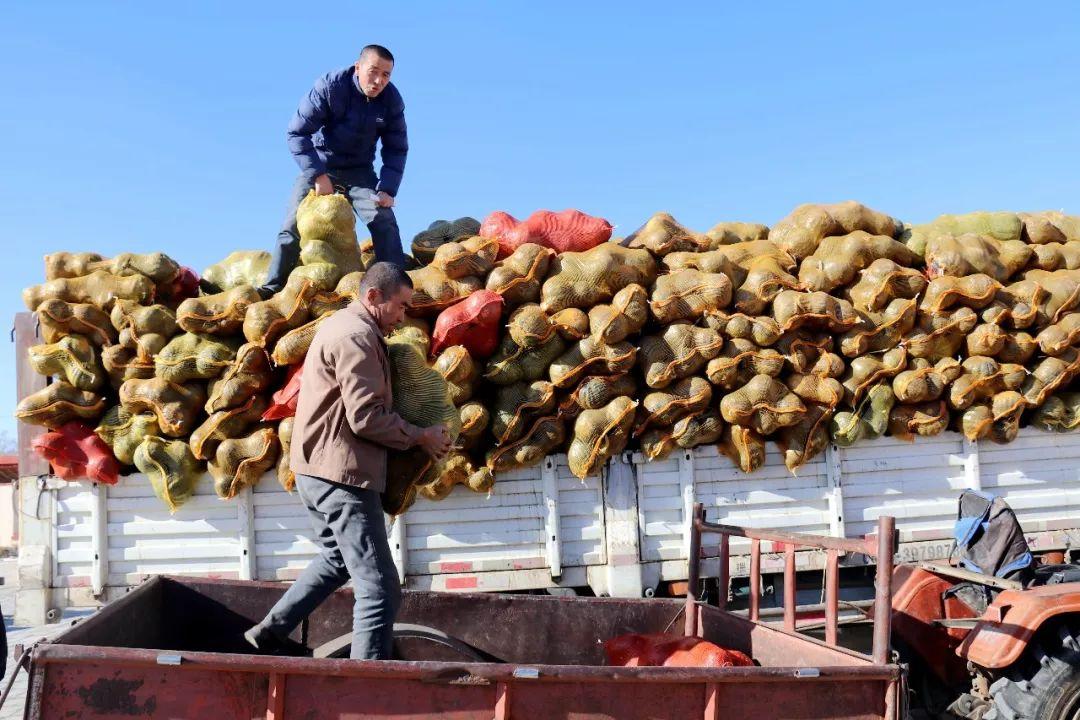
(389, 311)
(373, 73)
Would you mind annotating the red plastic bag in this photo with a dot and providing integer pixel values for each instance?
(185, 285)
(285, 399)
(75, 452)
(566, 231)
(658, 649)
(473, 322)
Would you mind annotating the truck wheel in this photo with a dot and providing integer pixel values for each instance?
(1052, 692)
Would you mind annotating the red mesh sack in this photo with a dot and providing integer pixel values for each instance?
(75, 451)
(473, 322)
(283, 403)
(566, 231)
(658, 649)
(184, 286)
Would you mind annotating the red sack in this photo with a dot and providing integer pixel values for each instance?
(473, 322)
(566, 231)
(75, 452)
(185, 285)
(658, 649)
(285, 399)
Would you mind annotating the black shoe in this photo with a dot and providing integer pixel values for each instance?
(266, 642)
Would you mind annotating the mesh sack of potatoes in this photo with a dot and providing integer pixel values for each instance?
(324, 264)
(347, 290)
(866, 371)
(688, 295)
(1059, 413)
(475, 420)
(530, 327)
(883, 281)
(880, 331)
(585, 279)
(268, 320)
(572, 324)
(946, 292)
(594, 392)
(123, 431)
(176, 407)
(758, 271)
(801, 442)
(764, 404)
(1057, 338)
(458, 469)
(940, 335)
(838, 259)
(1002, 226)
(986, 339)
(802, 231)
(923, 420)
(248, 375)
(981, 379)
(924, 381)
(731, 232)
(591, 357)
(1019, 347)
(473, 322)
(740, 360)
(195, 357)
(292, 347)
(59, 319)
(226, 424)
(326, 217)
(241, 462)
(869, 419)
(171, 468)
(63, 265)
(689, 432)
(816, 389)
(960, 255)
(517, 406)
(1059, 294)
(461, 372)
(793, 309)
(744, 446)
(662, 234)
(426, 242)
(599, 434)
(678, 351)
(159, 268)
(240, 267)
(147, 328)
(74, 359)
(474, 256)
(122, 364)
(1055, 256)
(625, 316)
(544, 437)
(1051, 226)
(218, 314)
(802, 349)
(665, 407)
(1050, 375)
(519, 277)
(433, 291)
(99, 288)
(58, 403)
(285, 476)
(762, 330)
(74, 452)
(512, 363)
(414, 330)
(996, 418)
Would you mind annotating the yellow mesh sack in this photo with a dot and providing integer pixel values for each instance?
(544, 437)
(1060, 336)
(249, 375)
(433, 291)
(802, 231)
(997, 419)
(764, 404)
(938, 336)
(986, 339)
(739, 361)
(475, 419)
(59, 319)
(983, 378)
(286, 477)
(421, 394)
(414, 330)
(884, 281)
(1060, 413)
(147, 328)
(240, 267)
(69, 265)
(1050, 227)
(1003, 226)
(745, 447)
(347, 290)
(729, 233)
(803, 348)
(123, 364)
(517, 406)
(458, 469)
(530, 327)
(172, 469)
(689, 432)
(268, 320)
(1061, 294)
(765, 279)
(241, 462)
(663, 234)
(688, 295)
(219, 314)
(511, 363)
(73, 358)
(793, 310)
(195, 357)
(461, 372)
(1016, 305)
(326, 217)
(293, 346)
(803, 441)
(99, 288)
(519, 277)
(763, 331)
(838, 259)
(1018, 348)
(925, 382)
(665, 407)
(159, 268)
(625, 316)
(177, 407)
(925, 420)
(1050, 375)
(868, 370)
(869, 420)
(945, 292)
(124, 431)
(226, 424)
(1056, 256)
(58, 403)
(679, 351)
(572, 324)
(816, 389)
(591, 357)
(472, 256)
(584, 279)
(599, 434)
(594, 392)
(968, 254)
(880, 331)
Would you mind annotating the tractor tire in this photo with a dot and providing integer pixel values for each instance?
(1050, 692)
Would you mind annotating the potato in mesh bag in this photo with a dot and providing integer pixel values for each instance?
(599, 434)
(594, 392)
(475, 419)
(688, 432)
(625, 316)
(816, 389)
(59, 319)
(286, 477)
(172, 469)
(195, 357)
(968, 254)
(1059, 413)
(249, 375)
(764, 404)
(838, 259)
(530, 327)
(940, 336)
(1057, 338)
(662, 234)
(1056, 256)
(511, 363)
(801, 232)
(946, 292)
(1050, 375)
(744, 446)
(240, 267)
(868, 370)
(870, 418)
(572, 324)
(519, 277)
(1001, 226)
(226, 424)
(123, 431)
(292, 347)
(58, 403)
(544, 437)
(803, 441)
(739, 361)
(99, 288)
(241, 462)
(584, 279)
(73, 358)
(665, 407)
(461, 372)
(591, 357)
(517, 406)
(1050, 226)
(268, 320)
(123, 364)
(677, 352)
(793, 309)
(923, 419)
(924, 381)
(762, 330)
(731, 232)
(880, 331)
(688, 295)
(982, 378)
(433, 291)
(473, 256)
(219, 314)
(884, 281)
(458, 469)
(996, 418)
(176, 407)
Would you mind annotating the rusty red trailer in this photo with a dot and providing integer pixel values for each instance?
(172, 648)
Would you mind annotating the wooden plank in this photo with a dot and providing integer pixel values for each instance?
(28, 382)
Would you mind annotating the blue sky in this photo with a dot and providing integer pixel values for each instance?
(161, 126)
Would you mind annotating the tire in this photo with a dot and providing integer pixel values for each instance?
(1050, 692)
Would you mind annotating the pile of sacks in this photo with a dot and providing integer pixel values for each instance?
(541, 336)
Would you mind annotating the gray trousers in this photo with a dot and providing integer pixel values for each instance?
(351, 532)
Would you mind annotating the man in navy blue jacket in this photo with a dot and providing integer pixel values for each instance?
(332, 136)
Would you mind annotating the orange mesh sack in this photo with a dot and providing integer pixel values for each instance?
(59, 319)
(159, 268)
(679, 351)
(688, 295)
(744, 446)
(625, 316)
(663, 234)
(59, 403)
(884, 281)
(599, 434)
(292, 347)
(584, 279)
(793, 309)
(519, 277)
(802, 349)
(433, 291)
(563, 232)
(241, 462)
(838, 260)
(802, 442)
(512, 363)
(802, 231)
(764, 404)
(1050, 375)
(763, 331)
(925, 382)
(458, 469)
(1059, 337)
(946, 292)
(1056, 256)
(74, 451)
(146, 328)
(73, 358)
(1060, 413)
(826, 392)
(224, 425)
(544, 437)
(997, 419)
(284, 400)
(938, 336)
(268, 320)
(220, 314)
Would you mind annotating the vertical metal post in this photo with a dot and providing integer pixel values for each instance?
(398, 545)
(686, 488)
(832, 599)
(886, 547)
(245, 512)
(693, 570)
(553, 541)
(725, 561)
(789, 587)
(99, 529)
(755, 579)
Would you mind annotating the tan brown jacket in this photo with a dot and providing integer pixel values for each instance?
(345, 419)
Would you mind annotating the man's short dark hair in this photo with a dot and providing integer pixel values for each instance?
(386, 277)
(379, 50)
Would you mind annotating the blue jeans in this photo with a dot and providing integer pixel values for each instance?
(350, 529)
(385, 235)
